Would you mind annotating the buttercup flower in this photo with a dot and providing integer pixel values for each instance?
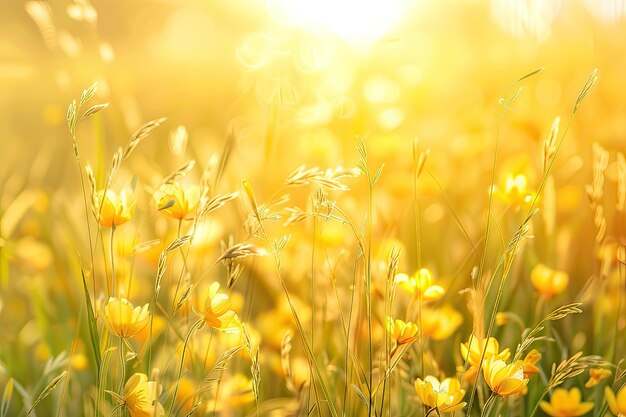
(439, 324)
(530, 361)
(403, 332)
(548, 281)
(515, 190)
(122, 319)
(616, 404)
(217, 313)
(504, 380)
(141, 397)
(596, 375)
(420, 283)
(113, 209)
(491, 347)
(177, 200)
(446, 395)
(474, 351)
(564, 403)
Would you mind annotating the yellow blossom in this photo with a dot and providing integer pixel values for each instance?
(502, 318)
(617, 404)
(596, 375)
(177, 200)
(445, 396)
(504, 380)
(122, 319)
(217, 313)
(420, 284)
(530, 363)
(548, 281)
(472, 353)
(403, 332)
(564, 403)
(113, 209)
(141, 397)
(439, 324)
(515, 190)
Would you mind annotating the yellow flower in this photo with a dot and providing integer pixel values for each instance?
(616, 404)
(420, 284)
(565, 403)
(530, 361)
(439, 324)
(515, 190)
(504, 380)
(217, 313)
(474, 351)
(403, 332)
(445, 396)
(113, 209)
(177, 200)
(141, 397)
(502, 318)
(122, 319)
(596, 375)
(548, 281)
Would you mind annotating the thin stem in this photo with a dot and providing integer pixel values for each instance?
(193, 328)
(113, 277)
(488, 405)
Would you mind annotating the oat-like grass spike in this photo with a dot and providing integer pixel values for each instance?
(585, 90)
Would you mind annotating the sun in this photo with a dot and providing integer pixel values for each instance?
(355, 21)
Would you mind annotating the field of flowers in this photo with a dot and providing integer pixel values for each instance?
(312, 208)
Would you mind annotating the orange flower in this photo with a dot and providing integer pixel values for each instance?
(596, 375)
(547, 281)
(530, 361)
(565, 403)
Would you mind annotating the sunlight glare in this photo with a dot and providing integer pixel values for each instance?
(356, 21)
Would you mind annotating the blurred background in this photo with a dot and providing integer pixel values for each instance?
(294, 82)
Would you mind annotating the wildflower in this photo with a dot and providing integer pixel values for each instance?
(616, 404)
(122, 319)
(596, 375)
(504, 380)
(548, 281)
(474, 351)
(530, 361)
(444, 396)
(141, 397)
(403, 332)
(112, 209)
(515, 190)
(439, 324)
(176, 200)
(564, 403)
(420, 284)
(217, 313)
(502, 318)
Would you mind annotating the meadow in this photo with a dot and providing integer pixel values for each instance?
(312, 208)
